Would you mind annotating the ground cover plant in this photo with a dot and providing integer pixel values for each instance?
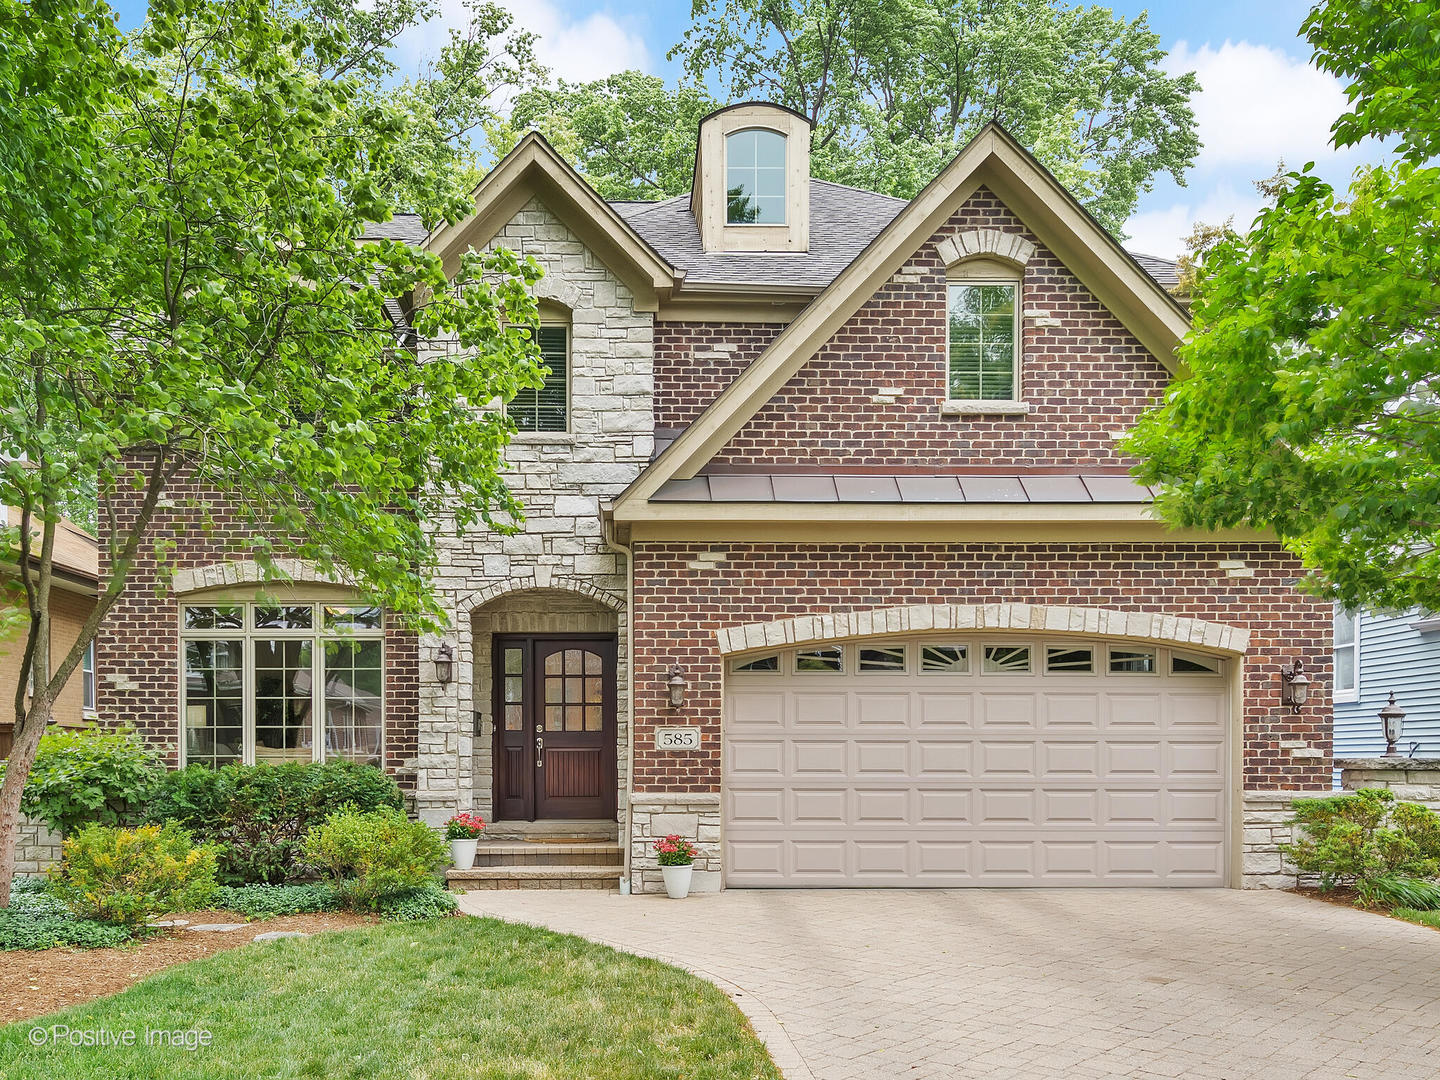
(38, 919)
(450, 999)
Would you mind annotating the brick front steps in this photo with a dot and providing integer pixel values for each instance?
(520, 864)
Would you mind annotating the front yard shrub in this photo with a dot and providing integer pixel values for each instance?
(372, 856)
(427, 902)
(257, 815)
(1353, 840)
(126, 876)
(88, 777)
(267, 901)
(38, 919)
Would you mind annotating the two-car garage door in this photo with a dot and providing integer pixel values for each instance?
(951, 763)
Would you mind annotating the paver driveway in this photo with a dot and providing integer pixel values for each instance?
(1043, 984)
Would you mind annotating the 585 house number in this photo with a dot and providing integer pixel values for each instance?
(677, 738)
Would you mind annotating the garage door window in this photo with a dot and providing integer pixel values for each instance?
(1006, 659)
(889, 658)
(944, 659)
(759, 664)
(1193, 664)
(1132, 661)
(1065, 660)
(825, 659)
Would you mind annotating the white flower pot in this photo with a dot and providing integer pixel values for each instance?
(677, 880)
(462, 853)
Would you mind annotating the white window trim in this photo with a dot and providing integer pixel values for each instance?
(90, 710)
(1337, 694)
(1012, 406)
(246, 635)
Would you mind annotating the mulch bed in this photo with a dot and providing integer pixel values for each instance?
(39, 982)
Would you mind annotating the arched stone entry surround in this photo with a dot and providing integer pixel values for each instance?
(522, 606)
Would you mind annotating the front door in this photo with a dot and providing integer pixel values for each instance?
(554, 727)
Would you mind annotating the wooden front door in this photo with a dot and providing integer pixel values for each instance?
(554, 727)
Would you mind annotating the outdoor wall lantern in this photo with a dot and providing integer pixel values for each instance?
(444, 663)
(1294, 685)
(1392, 719)
(677, 686)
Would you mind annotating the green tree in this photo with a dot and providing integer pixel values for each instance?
(630, 135)
(184, 297)
(1311, 406)
(894, 88)
(453, 103)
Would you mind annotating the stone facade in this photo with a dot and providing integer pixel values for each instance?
(1410, 779)
(38, 847)
(695, 817)
(563, 479)
(1265, 826)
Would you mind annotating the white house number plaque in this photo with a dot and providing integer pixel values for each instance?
(677, 738)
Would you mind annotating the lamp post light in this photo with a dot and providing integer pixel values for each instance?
(1392, 719)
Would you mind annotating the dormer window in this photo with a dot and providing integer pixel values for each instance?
(755, 177)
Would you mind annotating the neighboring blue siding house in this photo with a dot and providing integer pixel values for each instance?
(1375, 654)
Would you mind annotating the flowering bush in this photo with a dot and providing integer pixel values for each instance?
(126, 876)
(464, 827)
(675, 850)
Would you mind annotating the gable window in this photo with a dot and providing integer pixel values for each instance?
(1347, 654)
(267, 683)
(755, 177)
(546, 409)
(984, 341)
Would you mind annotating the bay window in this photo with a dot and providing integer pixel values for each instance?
(274, 682)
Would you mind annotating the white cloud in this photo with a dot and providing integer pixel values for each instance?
(574, 47)
(1257, 104)
(1162, 231)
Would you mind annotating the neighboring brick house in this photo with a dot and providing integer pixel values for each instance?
(829, 559)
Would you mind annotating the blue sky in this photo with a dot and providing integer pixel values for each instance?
(1260, 102)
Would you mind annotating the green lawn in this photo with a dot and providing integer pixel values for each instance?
(442, 1000)
(1424, 918)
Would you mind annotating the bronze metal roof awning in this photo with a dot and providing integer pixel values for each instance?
(1078, 488)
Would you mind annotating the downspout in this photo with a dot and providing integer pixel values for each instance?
(608, 535)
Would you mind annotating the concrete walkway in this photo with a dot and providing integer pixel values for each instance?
(1041, 984)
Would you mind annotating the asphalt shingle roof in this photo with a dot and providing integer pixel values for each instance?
(842, 221)
(406, 227)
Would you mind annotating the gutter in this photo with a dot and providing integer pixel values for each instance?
(608, 534)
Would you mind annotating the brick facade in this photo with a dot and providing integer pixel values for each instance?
(138, 649)
(694, 362)
(1083, 374)
(681, 601)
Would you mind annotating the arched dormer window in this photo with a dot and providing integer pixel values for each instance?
(755, 177)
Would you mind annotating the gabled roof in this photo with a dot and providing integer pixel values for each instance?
(843, 220)
(534, 170)
(992, 160)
